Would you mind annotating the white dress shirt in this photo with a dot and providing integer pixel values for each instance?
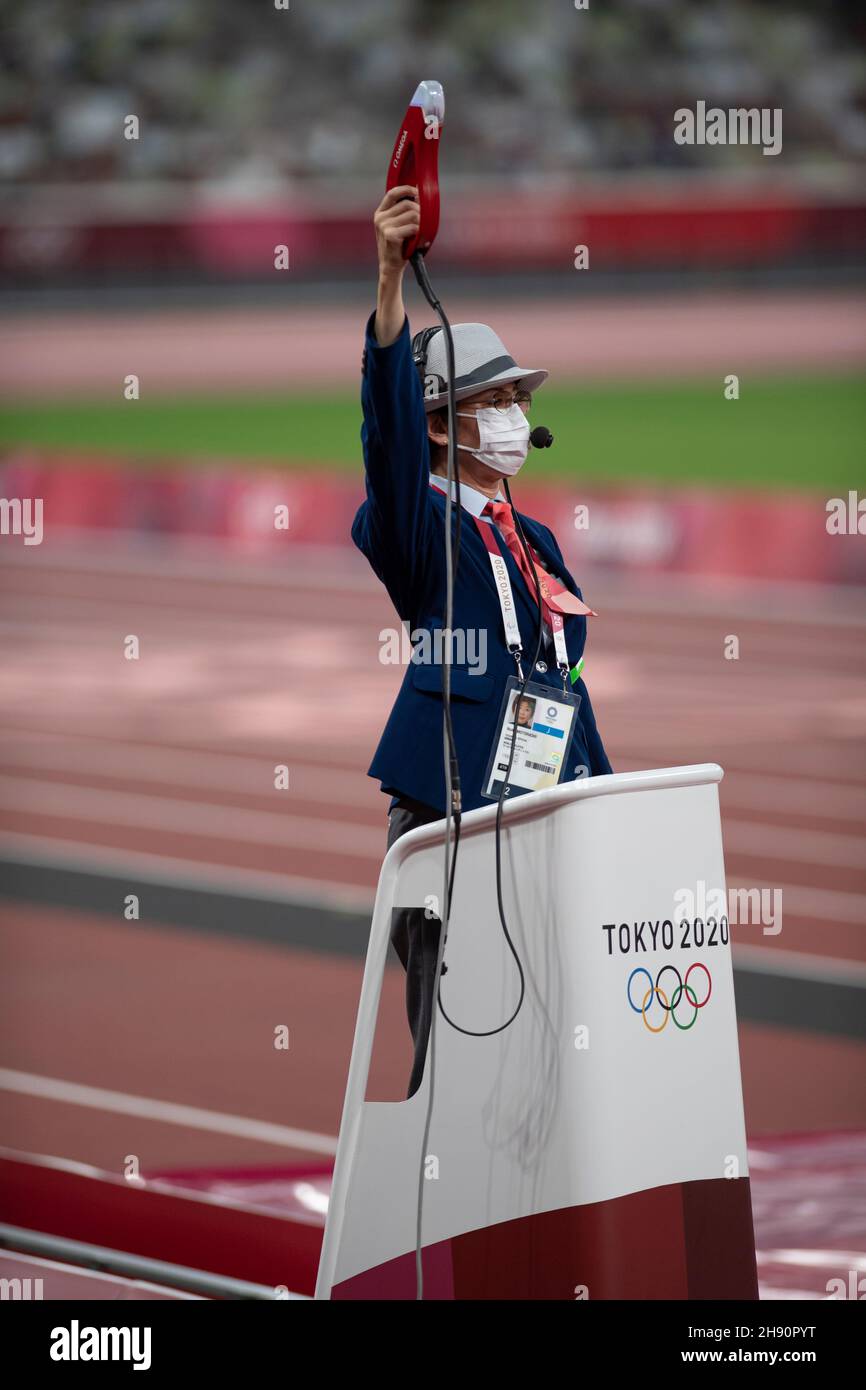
(471, 499)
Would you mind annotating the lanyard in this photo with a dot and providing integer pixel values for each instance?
(490, 537)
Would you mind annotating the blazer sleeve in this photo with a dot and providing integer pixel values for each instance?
(599, 762)
(394, 527)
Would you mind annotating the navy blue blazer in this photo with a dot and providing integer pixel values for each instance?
(401, 530)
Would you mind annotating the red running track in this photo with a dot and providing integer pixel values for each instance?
(170, 760)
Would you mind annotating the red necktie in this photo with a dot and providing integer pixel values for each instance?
(554, 594)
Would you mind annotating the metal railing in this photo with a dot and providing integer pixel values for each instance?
(100, 1257)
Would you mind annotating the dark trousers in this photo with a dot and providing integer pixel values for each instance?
(415, 938)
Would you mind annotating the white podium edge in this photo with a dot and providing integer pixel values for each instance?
(472, 823)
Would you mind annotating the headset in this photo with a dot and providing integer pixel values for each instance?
(540, 437)
(420, 349)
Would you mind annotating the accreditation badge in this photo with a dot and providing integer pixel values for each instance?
(545, 726)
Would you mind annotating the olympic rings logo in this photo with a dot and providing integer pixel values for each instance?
(669, 1010)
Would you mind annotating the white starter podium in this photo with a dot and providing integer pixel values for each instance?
(596, 1148)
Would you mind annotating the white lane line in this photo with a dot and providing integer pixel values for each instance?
(768, 1293)
(342, 569)
(351, 898)
(143, 811)
(318, 785)
(95, 735)
(128, 552)
(759, 841)
(830, 761)
(807, 797)
(817, 774)
(47, 612)
(344, 785)
(88, 620)
(834, 608)
(819, 905)
(223, 772)
(839, 1260)
(166, 1112)
(199, 876)
(799, 965)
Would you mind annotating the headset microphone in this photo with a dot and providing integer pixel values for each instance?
(540, 437)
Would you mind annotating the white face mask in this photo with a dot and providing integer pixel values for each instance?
(503, 438)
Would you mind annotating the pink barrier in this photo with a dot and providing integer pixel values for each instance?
(666, 224)
(683, 530)
(152, 1218)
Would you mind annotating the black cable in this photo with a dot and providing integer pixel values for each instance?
(453, 801)
(452, 770)
(470, 1032)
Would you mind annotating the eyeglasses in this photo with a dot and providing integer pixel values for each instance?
(504, 403)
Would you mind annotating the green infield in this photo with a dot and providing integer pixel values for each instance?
(804, 433)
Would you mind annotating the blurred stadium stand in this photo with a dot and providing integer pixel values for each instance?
(552, 90)
(243, 144)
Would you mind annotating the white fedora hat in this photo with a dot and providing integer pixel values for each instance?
(481, 359)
